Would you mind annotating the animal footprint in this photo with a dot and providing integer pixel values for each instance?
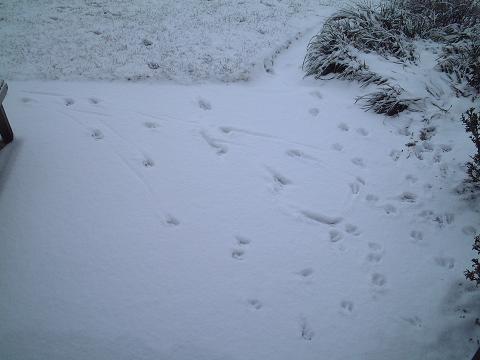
(150, 125)
(414, 321)
(242, 241)
(335, 236)
(395, 155)
(238, 254)
(352, 229)
(390, 209)
(374, 246)
(344, 127)
(254, 304)
(374, 257)
(306, 272)
(371, 198)
(306, 331)
(346, 307)
(358, 161)
(337, 147)
(416, 235)
(204, 104)
(97, 134)
(93, 101)
(323, 219)
(314, 111)
(355, 188)
(362, 131)
(69, 102)
(316, 94)
(148, 163)
(171, 220)
(411, 178)
(447, 262)
(378, 280)
(408, 197)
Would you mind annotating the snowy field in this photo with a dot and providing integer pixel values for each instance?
(267, 219)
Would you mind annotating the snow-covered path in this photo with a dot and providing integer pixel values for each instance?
(267, 220)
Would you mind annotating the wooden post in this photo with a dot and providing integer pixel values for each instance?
(5, 129)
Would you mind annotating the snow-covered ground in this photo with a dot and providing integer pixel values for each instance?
(270, 219)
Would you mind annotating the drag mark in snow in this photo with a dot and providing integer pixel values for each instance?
(323, 219)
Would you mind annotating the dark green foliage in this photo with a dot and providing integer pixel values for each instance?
(474, 274)
(471, 120)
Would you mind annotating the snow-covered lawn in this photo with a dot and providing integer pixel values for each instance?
(187, 40)
(270, 219)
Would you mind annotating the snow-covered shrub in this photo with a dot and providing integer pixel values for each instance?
(471, 120)
(474, 275)
(461, 55)
(389, 100)
(364, 27)
(388, 29)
